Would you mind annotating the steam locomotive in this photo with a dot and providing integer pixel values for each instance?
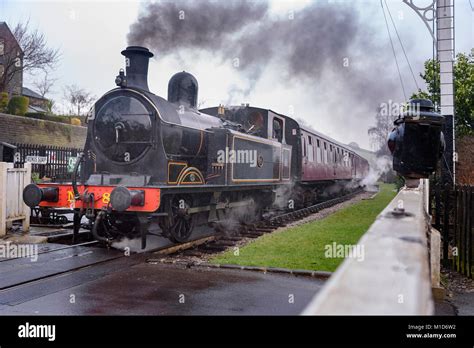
(150, 159)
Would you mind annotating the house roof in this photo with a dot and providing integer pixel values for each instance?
(36, 109)
(5, 26)
(30, 93)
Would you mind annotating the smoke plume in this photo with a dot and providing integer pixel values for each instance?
(329, 49)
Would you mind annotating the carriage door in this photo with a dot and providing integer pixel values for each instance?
(276, 131)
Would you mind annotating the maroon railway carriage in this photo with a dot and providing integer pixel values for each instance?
(325, 159)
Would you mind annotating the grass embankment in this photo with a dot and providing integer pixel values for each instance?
(303, 247)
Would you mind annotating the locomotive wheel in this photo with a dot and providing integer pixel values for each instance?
(180, 223)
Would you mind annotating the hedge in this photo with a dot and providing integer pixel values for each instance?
(18, 105)
(3, 101)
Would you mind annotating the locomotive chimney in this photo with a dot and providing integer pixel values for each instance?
(136, 65)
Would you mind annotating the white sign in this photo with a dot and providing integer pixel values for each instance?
(37, 159)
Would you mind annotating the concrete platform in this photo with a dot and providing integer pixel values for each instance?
(23, 239)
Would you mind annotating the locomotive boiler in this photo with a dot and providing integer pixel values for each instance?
(147, 159)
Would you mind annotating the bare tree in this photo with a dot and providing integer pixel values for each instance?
(78, 97)
(36, 54)
(379, 133)
(44, 85)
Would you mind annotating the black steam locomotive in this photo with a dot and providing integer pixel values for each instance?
(147, 158)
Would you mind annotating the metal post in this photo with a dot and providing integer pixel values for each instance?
(445, 56)
(26, 209)
(438, 17)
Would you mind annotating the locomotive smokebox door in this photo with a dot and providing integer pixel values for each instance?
(417, 142)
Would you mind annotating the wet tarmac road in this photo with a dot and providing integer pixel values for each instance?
(130, 286)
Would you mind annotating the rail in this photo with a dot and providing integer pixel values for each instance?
(393, 277)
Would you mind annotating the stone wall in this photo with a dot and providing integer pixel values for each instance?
(20, 129)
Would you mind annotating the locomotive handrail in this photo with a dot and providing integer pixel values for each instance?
(77, 195)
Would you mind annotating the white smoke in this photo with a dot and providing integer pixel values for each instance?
(135, 245)
(382, 165)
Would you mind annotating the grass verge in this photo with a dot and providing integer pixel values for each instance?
(303, 247)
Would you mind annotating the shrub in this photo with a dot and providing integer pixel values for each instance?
(18, 105)
(75, 121)
(36, 115)
(3, 101)
(53, 118)
(35, 177)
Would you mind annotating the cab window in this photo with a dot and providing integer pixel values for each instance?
(277, 132)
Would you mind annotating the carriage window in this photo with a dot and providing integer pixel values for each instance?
(304, 147)
(277, 129)
(318, 151)
(310, 149)
(325, 152)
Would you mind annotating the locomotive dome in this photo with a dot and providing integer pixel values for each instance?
(183, 88)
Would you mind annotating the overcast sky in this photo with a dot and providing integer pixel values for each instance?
(90, 36)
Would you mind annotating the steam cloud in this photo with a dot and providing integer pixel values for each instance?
(382, 165)
(308, 49)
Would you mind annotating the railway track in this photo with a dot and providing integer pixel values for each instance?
(57, 261)
(223, 241)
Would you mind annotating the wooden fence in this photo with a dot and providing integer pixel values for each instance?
(49, 162)
(12, 208)
(453, 215)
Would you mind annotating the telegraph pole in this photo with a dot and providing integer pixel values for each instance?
(438, 17)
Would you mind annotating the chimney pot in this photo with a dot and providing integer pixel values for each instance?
(136, 65)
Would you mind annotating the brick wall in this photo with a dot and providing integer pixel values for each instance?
(19, 129)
